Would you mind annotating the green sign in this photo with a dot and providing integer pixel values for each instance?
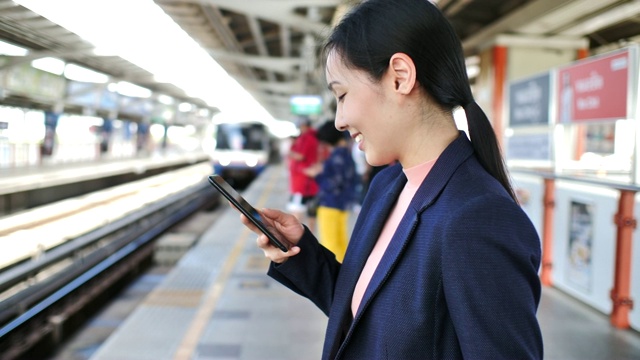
(306, 105)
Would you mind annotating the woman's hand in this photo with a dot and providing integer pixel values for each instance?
(283, 226)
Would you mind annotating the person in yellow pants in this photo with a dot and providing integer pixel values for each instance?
(333, 230)
(337, 180)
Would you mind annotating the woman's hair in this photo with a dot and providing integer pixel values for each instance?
(374, 30)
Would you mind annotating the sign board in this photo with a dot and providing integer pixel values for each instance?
(306, 104)
(28, 81)
(595, 89)
(529, 147)
(529, 101)
(91, 95)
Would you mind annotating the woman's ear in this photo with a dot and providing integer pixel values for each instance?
(403, 72)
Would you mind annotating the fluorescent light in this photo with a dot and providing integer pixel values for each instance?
(473, 66)
(185, 107)
(128, 89)
(49, 64)
(167, 114)
(472, 60)
(165, 99)
(156, 47)
(12, 50)
(79, 73)
(473, 71)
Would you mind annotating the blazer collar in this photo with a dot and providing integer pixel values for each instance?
(448, 162)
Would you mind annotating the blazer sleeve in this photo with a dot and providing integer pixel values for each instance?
(490, 273)
(312, 273)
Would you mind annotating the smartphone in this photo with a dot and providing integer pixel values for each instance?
(249, 211)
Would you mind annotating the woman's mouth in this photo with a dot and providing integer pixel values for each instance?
(358, 138)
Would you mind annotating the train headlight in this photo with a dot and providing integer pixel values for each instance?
(251, 162)
(224, 161)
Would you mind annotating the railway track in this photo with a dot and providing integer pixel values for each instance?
(43, 296)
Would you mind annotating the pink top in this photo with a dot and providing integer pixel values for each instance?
(415, 176)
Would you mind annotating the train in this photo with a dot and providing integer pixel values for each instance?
(241, 149)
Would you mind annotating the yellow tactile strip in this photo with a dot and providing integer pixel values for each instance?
(190, 340)
(177, 298)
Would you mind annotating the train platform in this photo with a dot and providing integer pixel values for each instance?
(218, 303)
(23, 188)
(21, 179)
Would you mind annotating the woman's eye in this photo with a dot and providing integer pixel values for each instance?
(341, 97)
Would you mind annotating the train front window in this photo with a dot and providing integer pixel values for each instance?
(237, 137)
(254, 137)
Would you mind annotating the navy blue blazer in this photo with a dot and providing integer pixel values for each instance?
(458, 280)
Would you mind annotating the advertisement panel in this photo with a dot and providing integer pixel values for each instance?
(91, 95)
(594, 89)
(28, 81)
(529, 147)
(580, 244)
(83, 94)
(529, 101)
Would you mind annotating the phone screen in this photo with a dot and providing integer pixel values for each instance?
(241, 204)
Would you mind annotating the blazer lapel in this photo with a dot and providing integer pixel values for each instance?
(364, 237)
(457, 152)
(367, 229)
(398, 242)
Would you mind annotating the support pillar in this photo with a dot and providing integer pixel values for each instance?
(581, 131)
(621, 292)
(549, 204)
(499, 82)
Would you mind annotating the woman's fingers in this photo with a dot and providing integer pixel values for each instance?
(246, 222)
(273, 253)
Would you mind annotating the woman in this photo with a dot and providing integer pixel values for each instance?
(442, 262)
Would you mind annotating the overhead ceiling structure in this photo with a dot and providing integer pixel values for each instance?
(270, 46)
(43, 38)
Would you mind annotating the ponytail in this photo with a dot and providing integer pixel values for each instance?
(485, 144)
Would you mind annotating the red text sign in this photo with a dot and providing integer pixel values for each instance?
(594, 89)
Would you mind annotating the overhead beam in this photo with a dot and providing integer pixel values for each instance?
(551, 42)
(601, 21)
(34, 55)
(524, 15)
(276, 11)
(258, 37)
(288, 88)
(277, 64)
(559, 19)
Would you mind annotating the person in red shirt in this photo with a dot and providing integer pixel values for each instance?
(303, 188)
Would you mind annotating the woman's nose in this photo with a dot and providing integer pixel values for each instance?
(339, 122)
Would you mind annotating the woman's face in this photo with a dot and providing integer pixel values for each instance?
(363, 110)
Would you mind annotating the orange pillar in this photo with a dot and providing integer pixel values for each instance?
(581, 135)
(582, 54)
(499, 81)
(549, 204)
(621, 292)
